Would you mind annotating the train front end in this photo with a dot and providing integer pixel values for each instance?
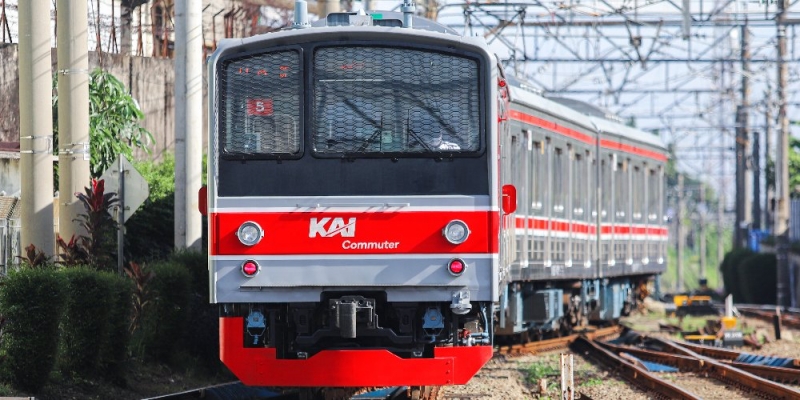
(354, 205)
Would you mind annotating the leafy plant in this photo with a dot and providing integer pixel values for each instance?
(34, 258)
(98, 223)
(74, 252)
(539, 370)
(142, 293)
(113, 121)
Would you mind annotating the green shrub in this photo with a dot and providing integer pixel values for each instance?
(730, 271)
(151, 230)
(202, 339)
(114, 354)
(757, 278)
(164, 323)
(87, 320)
(31, 301)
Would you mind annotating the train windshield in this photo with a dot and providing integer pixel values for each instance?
(374, 101)
(262, 109)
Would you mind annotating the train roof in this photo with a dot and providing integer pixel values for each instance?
(579, 113)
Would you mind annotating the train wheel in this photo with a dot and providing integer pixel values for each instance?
(424, 392)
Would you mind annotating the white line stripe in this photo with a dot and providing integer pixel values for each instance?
(352, 256)
(373, 209)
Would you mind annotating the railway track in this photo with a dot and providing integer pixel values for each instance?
(558, 343)
(789, 316)
(761, 380)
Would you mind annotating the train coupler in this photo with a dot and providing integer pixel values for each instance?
(348, 311)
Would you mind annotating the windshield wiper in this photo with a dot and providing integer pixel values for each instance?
(371, 138)
(415, 134)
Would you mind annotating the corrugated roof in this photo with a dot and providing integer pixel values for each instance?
(7, 206)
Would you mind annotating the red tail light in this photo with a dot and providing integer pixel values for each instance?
(457, 266)
(250, 268)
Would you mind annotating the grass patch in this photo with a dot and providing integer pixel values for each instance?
(539, 371)
(592, 382)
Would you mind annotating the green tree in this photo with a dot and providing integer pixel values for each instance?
(794, 168)
(114, 117)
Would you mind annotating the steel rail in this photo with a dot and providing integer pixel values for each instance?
(722, 354)
(633, 373)
(540, 346)
(683, 363)
(726, 373)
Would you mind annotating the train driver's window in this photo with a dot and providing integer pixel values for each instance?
(260, 105)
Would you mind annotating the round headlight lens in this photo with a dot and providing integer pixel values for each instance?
(250, 233)
(456, 232)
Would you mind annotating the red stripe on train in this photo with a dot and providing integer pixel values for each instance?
(579, 227)
(571, 133)
(399, 232)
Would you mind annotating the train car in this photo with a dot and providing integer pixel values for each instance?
(355, 203)
(383, 201)
(585, 181)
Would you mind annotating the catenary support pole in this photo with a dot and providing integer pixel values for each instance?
(680, 237)
(73, 113)
(188, 122)
(782, 164)
(36, 125)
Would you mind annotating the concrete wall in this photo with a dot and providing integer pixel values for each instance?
(9, 175)
(150, 81)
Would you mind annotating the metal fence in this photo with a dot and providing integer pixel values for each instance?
(9, 243)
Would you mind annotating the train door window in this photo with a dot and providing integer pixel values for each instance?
(653, 203)
(637, 194)
(260, 105)
(579, 179)
(537, 178)
(621, 194)
(559, 181)
(605, 190)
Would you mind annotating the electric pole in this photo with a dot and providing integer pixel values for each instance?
(782, 164)
(36, 125)
(73, 113)
(742, 145)
(679, 224)
(188, 122)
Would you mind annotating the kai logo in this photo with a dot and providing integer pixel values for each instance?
(329, 227)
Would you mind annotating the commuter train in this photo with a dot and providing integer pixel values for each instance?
(385, 204)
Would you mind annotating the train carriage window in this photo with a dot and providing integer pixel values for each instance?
(260, 105)
(374, 101)
(537, 178)
(559, 181)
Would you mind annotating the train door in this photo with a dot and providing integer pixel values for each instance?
(579, 249)
(621, 211)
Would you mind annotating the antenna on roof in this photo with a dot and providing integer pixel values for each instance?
(408, 9)
(301, 14)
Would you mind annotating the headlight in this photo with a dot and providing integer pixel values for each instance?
(250, 233)
(456, 232)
